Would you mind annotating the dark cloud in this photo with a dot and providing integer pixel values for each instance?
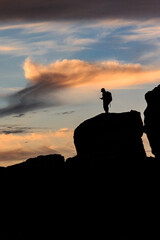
(19, 115)
(13, 132)
(69, 112)
(14, 129)
(65, 113)
(71, 9)
(34, 96)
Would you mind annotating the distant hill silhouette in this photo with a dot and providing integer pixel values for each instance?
(109, 189)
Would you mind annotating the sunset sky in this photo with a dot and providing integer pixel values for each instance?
(56, 55)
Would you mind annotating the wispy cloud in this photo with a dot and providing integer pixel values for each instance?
(143, 34)
(69, 27)
(17, 47)
(83, 41)
(16, 129)
(65, 113)
(33, 28)
(36, 26)
(8, 91)
(19, 115)
(10, 46)
(148, 34)
(5, 48)
(69, 37)
(20, 47)
(142, 31)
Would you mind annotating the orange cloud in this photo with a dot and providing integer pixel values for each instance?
(7, 48)
(75, 73)
(21, 147)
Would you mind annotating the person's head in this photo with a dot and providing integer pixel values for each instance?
(102, 90)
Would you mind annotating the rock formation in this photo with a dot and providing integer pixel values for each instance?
(41, 163)
(152, 119)
(48, 196)
(113, 136)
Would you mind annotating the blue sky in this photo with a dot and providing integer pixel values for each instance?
(125, 53)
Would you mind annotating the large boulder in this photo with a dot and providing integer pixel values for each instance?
(112, 135)
(152, 119)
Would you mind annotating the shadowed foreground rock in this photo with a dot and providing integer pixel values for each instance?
(152, 119)
(48, 197)
(83, 197)
(113, 136)
(50, 162)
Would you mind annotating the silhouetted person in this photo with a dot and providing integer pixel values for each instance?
(107, 98)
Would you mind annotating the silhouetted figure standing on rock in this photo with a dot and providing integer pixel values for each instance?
(107, 98)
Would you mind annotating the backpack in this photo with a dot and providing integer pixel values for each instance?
(108, 97)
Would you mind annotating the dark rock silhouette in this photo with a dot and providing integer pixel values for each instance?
(43, 199)
(152, 119)
(41, 163)
(112, 135)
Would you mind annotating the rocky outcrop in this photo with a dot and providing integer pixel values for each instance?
(112, 135)
(152, 119)
(41, 163)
